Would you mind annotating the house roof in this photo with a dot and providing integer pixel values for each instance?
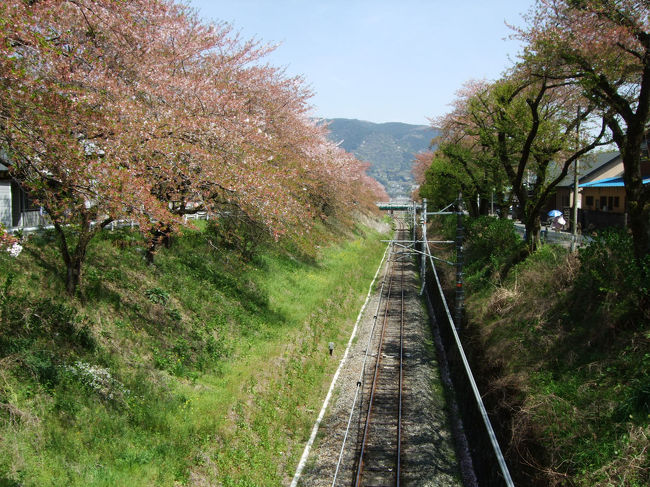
(609, 183)
(590, 165)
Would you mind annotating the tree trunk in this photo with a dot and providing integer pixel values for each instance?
(159, 234)
(472, 207)
(73, 275)
(75, 259)
(638, 200)
(533, 228)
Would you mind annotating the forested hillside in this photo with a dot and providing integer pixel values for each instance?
(389, 147)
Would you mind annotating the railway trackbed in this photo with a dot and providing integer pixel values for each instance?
(388, 425)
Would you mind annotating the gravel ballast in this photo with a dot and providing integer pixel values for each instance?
(428, 456)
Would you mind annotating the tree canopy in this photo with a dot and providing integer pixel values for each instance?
(139, 110)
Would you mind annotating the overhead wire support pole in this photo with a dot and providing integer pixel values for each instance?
(414, 218)
(460, 294)
(423, 262)
(574, 209)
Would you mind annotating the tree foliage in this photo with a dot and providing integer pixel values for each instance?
(517, 137)
(113, 110)
(603, 47)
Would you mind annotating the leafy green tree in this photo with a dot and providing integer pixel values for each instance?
(603, 47)
(529, 126)
(461, 162)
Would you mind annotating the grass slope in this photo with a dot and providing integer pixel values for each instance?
(561, 344)
(201, 370)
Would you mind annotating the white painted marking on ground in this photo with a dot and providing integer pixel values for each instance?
(314, 431)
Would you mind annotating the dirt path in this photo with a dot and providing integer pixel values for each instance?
(428, 451)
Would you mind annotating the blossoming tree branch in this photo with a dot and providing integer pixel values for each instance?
(139, 110)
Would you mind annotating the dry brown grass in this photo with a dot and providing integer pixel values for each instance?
(631, 466)
(503, 300)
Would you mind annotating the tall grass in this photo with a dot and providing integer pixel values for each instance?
(205, 369)
(561, 343)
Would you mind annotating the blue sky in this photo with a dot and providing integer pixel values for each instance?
(379, 60)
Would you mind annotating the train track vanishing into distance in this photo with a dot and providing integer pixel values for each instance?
(379, 445)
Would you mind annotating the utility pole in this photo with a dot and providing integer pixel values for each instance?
(460, 293)
(574, 212)
(414, 219)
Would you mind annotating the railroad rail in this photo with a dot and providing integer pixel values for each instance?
(378, 459)
(381, 445)
(371, 453)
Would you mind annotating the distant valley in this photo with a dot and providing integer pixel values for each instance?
(389, 147)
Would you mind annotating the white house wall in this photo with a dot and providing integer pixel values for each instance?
(5, 203)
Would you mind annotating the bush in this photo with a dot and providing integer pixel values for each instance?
(612, 281)
(40, 333)
(237, 233)
(492, 247)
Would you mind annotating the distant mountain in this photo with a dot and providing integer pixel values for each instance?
(389, 147)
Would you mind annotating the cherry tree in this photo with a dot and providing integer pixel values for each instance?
(64, 74)
(519, 131)
(603, 46)
(139, 110)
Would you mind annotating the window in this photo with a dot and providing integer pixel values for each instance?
(590, 201)
(603, 203)
(616, 202)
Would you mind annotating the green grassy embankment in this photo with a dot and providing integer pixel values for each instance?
(560, 343)
(204, 369)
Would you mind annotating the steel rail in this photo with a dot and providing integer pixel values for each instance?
(401, 379)
(363, 368)
(373, 384)
(305, 454)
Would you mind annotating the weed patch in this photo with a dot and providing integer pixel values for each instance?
(560, 342)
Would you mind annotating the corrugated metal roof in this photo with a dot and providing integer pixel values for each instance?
(609, 183)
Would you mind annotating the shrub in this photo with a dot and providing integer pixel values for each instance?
(492, 247)
(612, 281)
(157, 295)
(236, 233)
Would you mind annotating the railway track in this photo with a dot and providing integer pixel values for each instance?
(388, 426)
(379, 436)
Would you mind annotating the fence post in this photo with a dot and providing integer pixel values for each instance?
(460, 293)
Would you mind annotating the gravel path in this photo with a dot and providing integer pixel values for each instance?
(428, 451)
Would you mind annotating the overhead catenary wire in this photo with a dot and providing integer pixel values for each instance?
(470, 377)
